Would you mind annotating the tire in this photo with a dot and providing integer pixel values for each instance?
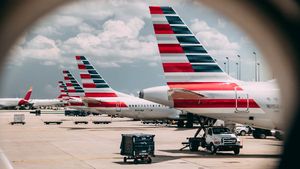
(243, 133)
(236, 151)
(212, 148)
(149, 160)
(135, 161)
(124, 159)
(180, 123)
(193, 147)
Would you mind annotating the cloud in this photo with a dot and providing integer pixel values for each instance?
(217, 44)
(221, 23)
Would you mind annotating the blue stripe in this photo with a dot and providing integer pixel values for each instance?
(174, 20)
(200, 59)
(102, 86)
(99, 81)
(181, 30)
(96, 76)
(94, 72)
(193, 49)
(167, 10)
(206, 68)
(187, 40)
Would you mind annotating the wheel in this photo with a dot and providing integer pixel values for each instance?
(135, 161)
(180, 123)
(124, 159)
(236, 151)
(193, 146)
(212, 148)
(149, 160)
(243, 133)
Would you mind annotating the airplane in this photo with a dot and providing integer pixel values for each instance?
(37, 103)
(100, 96)
(197, 84)
(74, 93)
(9, 103)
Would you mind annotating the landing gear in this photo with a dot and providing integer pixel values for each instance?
(190, 120)
(180, 123)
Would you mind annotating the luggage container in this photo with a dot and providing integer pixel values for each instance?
(18, 119)
(139, 147)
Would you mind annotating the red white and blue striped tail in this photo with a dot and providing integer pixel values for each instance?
(93, 84)
(184, 58)
(63, 91)
(73, 87)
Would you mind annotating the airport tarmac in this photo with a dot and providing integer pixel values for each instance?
(91, 146)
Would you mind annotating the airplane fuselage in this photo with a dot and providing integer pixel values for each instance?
(132, 107)
(255, 104)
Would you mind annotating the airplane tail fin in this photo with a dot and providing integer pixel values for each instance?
(63, 91)
(28, 94)
(73, 87)
(184, 58)
(92, 82)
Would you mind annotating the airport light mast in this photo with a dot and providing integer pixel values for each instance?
(240, 67)
(227, 65)
(255, 63)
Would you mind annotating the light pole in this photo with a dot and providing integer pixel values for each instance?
(237, 71)
(258, 70)
(255, 61)
(227, 65)
(240, 67)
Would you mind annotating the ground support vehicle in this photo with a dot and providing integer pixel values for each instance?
(18, 119)
(139, 147)
(53, 122)
(101, 122)
(214, 139)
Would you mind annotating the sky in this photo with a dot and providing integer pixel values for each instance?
(118, 38)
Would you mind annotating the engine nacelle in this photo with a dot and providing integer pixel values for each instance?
(157, 94)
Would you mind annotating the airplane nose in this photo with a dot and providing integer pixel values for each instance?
(141, 94)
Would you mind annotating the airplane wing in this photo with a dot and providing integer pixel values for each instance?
(184, 94)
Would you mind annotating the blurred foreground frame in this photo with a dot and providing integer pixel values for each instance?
(273, 25)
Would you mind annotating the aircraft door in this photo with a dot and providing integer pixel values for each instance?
(241, 101)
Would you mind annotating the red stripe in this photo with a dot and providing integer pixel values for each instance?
(66, 78)
(177, 67)
(100, 94)
(89, 85)
(76, 103)
(163, 29)
(214, 103)
(204, 86)
(77, 57)
(155, 10)
(80, 66)
(69, 84)
(71, 90)
(85, 76)
(170, 48)
(107, 104)
(65, 71)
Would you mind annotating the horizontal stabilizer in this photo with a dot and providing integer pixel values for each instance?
(184, 94)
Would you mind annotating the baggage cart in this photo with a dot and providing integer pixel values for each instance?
(139, 147)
